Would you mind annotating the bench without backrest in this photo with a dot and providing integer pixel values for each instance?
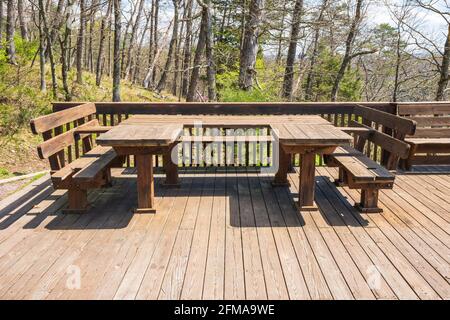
(431, 142)
(62, 131)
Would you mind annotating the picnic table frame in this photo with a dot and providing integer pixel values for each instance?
(147, 135)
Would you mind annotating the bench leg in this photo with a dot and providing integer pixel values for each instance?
(284, 162)
(342, 180)
(171, 169)
(369, 201)
(77, 200)
(108, 178)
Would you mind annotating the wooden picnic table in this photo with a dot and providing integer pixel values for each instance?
(308, 140)
(143, 141)
(146, 135)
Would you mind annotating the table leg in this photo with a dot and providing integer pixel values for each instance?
(307, 182)
(284, 161)
(145, 184)
(170, 168)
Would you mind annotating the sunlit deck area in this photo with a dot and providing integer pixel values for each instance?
(228, 234)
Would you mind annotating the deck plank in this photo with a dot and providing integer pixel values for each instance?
(228, 234)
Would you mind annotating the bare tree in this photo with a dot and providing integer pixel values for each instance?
(22, 22)
(289, 70)
(201, 43)
(1, 23)
(101, 48)
(80, 40)
(10, 21)
(117, 61)
(172, 46)
(187, 49)
(311, 72)
(249, 49)
(348, 48)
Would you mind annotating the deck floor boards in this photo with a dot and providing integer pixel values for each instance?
(228, 234)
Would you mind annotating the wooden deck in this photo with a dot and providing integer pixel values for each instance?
(229, 235)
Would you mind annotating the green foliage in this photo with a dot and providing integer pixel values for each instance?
(325, 71)
(4, 173)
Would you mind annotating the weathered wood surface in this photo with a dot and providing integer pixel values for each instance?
(141, 135)
(56, 119)
(299, 133)
(227, 234)
(238, 108)
(225, 121)
(433, 122)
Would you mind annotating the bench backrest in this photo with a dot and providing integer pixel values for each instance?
(60, 145)
(433, 119)
(386, 138)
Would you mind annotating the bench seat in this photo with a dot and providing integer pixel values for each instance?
(96, 159)
(92, 170)
(357, 171)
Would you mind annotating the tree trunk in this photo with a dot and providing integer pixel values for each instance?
(289, 70)
(249, 50)
(444, 69)
(22, 22)
(64, 62)
(90, 55)
(43, 85)
(211, 67)
(348, 49)
(148, 77)
(79, 56)
(10, 20)
(187, 50)
(280, 39)
(397, 65)
(48, 46)
(198, 57)
(101, 48)
(116, 71)
(137, 63)
(132, 36)
(1, 23)
(172, 45)
(312, 65)
(125, 41)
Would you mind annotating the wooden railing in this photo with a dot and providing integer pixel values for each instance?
(340, 114)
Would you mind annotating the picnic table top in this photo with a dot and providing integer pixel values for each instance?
(141, 136)
(157, 130)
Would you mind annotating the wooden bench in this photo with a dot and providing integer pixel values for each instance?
(76, 164)
(356, 170)
(431, 142)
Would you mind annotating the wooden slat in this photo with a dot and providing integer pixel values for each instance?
(424, 108)
(60, 118)
(394, 122)
(243, 108)
(93, 129)
(386, 142)
(431, 121)
(58, 143)
(432, 133)
(93, 169)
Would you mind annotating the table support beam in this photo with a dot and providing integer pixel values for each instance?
(284, 161)
(307, 181)
(145, 184)
(170, 168)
